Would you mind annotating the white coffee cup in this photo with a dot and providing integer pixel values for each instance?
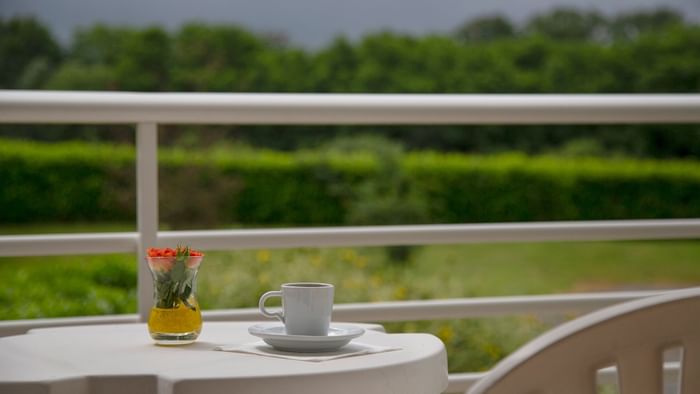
(306, 307)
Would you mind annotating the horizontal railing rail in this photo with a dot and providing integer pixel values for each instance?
(392, 311)
(265, 108)
(147, 110)
(458, 308)
(319, 237)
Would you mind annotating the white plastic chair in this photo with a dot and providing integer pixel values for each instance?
(631, 336)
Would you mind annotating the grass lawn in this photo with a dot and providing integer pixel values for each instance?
(85, 285)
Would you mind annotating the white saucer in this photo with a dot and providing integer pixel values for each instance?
(275, 335)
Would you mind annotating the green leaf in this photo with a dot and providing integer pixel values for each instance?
(177, 274)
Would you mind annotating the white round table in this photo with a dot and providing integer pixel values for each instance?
(123, 359)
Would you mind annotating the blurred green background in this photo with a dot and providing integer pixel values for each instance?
(78, 178)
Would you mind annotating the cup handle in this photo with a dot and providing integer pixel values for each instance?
(261, 305)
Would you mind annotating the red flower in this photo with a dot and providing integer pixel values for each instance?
(163, 259)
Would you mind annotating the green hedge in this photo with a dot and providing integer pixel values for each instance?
(516, 187)
(60, 182)
(222, 187)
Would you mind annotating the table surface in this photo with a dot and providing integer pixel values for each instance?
(123, 359)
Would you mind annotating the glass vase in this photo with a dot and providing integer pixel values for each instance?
(175, 318)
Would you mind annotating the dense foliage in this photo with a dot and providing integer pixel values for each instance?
(224, 187)
(562, 51)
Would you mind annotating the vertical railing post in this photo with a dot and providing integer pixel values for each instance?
(146, 208)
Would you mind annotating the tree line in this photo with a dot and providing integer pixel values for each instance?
(560, 51)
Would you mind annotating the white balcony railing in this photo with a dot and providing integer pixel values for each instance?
(147, 110)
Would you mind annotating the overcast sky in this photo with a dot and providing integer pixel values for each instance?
(311, 23)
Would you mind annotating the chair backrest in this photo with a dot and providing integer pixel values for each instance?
(631, 336)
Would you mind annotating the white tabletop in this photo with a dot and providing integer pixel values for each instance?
(123, 359)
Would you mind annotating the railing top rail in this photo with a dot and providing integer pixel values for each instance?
(328, 237)
(17, 106)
